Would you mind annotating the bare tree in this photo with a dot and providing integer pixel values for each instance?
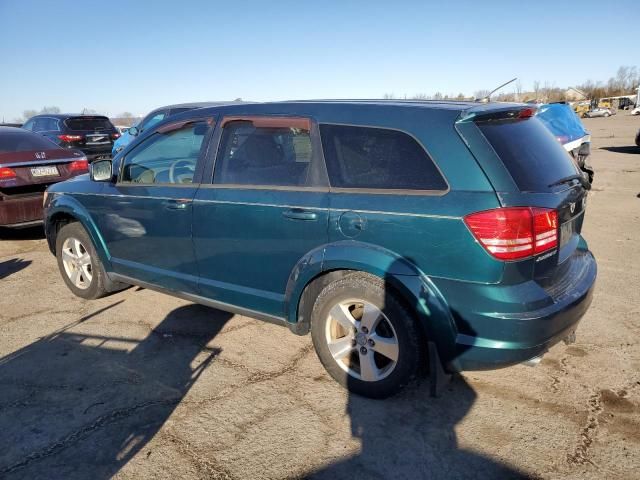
(479, 94)
(518, 91)
(536, 89)
(51, 110)
(389, 96)
(420, 96)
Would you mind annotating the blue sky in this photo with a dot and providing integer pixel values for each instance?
(134, 56)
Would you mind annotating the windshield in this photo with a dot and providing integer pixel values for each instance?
(530, 152)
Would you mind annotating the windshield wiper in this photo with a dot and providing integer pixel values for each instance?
(579, 176)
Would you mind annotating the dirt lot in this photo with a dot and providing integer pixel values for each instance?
(141, 385)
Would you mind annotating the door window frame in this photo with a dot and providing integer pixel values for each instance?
(164, 128)
(274, 120)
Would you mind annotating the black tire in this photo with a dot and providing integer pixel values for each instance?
(410, 343)
(100, 284)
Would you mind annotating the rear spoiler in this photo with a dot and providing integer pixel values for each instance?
(507, 112)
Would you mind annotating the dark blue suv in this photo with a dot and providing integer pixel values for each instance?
(399, 234)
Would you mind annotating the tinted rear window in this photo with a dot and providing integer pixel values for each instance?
(377, 158)
(530, 152)
(84, 123)
(22, 142)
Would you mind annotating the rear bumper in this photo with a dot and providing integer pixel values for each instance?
(499, 326)
(20, 210)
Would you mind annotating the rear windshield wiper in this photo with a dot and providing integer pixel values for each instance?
(579, 176)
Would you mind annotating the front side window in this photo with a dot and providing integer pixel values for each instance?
(377, 158)
(168, 157)
(259, 153)
(151, 121)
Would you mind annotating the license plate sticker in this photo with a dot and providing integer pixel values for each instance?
(48, 171)
(566, 232)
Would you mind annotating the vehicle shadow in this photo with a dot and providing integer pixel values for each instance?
(81, 405)
(624, 149)
(412, 435)
(30, 233)
(14, 265)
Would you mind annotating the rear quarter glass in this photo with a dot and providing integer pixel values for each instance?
(529, 151)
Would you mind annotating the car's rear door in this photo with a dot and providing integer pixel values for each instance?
(265, 209)
(145, 217)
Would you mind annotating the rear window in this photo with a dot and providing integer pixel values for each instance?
(377, 158)
(88, 123)
(529, 151)
(23, 142)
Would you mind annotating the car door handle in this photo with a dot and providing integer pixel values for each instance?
(176, 204)
(300, 214)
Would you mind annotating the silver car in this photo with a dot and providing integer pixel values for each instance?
(598, 112)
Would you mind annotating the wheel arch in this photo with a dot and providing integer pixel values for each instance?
(65, 209)
(334, 261)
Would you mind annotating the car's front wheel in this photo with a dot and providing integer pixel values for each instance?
(365, 337)
(79, 263)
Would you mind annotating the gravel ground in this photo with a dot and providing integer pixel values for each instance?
(141, 385)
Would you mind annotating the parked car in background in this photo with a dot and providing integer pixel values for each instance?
(122, 129)
(392, 231)
(565, 125)
(598, 112)
(92, 134)
(156, 116)
(29, 163)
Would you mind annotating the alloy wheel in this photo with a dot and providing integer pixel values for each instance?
(77, 263)
(362, 340)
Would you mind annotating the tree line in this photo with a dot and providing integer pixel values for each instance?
(624, 82)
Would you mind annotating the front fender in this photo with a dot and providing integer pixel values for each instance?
(66, 205)
(401, 273)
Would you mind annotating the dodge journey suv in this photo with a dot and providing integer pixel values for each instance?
(402, 235)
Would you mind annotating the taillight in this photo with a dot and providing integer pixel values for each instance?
(115, 136)
(79, 166)
(514, 233)
(7, 173)
(70, 138)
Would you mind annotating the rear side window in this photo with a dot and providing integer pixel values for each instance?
(88, 123)
(250, 154)
(529, 151)
(23, 142)
(377, 158)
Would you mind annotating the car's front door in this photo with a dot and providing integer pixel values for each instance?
(266, 208)
(145, 217)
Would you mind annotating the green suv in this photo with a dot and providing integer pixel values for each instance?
(402, 235)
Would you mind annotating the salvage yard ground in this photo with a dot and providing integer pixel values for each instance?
(141, 385)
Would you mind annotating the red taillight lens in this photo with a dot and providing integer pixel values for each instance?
(7, 173)
(515, 233)
(115, 136)
(79, 166)
(70, 138)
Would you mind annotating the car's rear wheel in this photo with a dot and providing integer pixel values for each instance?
(365, 337)
(80, 265)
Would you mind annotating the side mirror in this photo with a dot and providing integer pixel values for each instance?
(101, 171)
(133, 131)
